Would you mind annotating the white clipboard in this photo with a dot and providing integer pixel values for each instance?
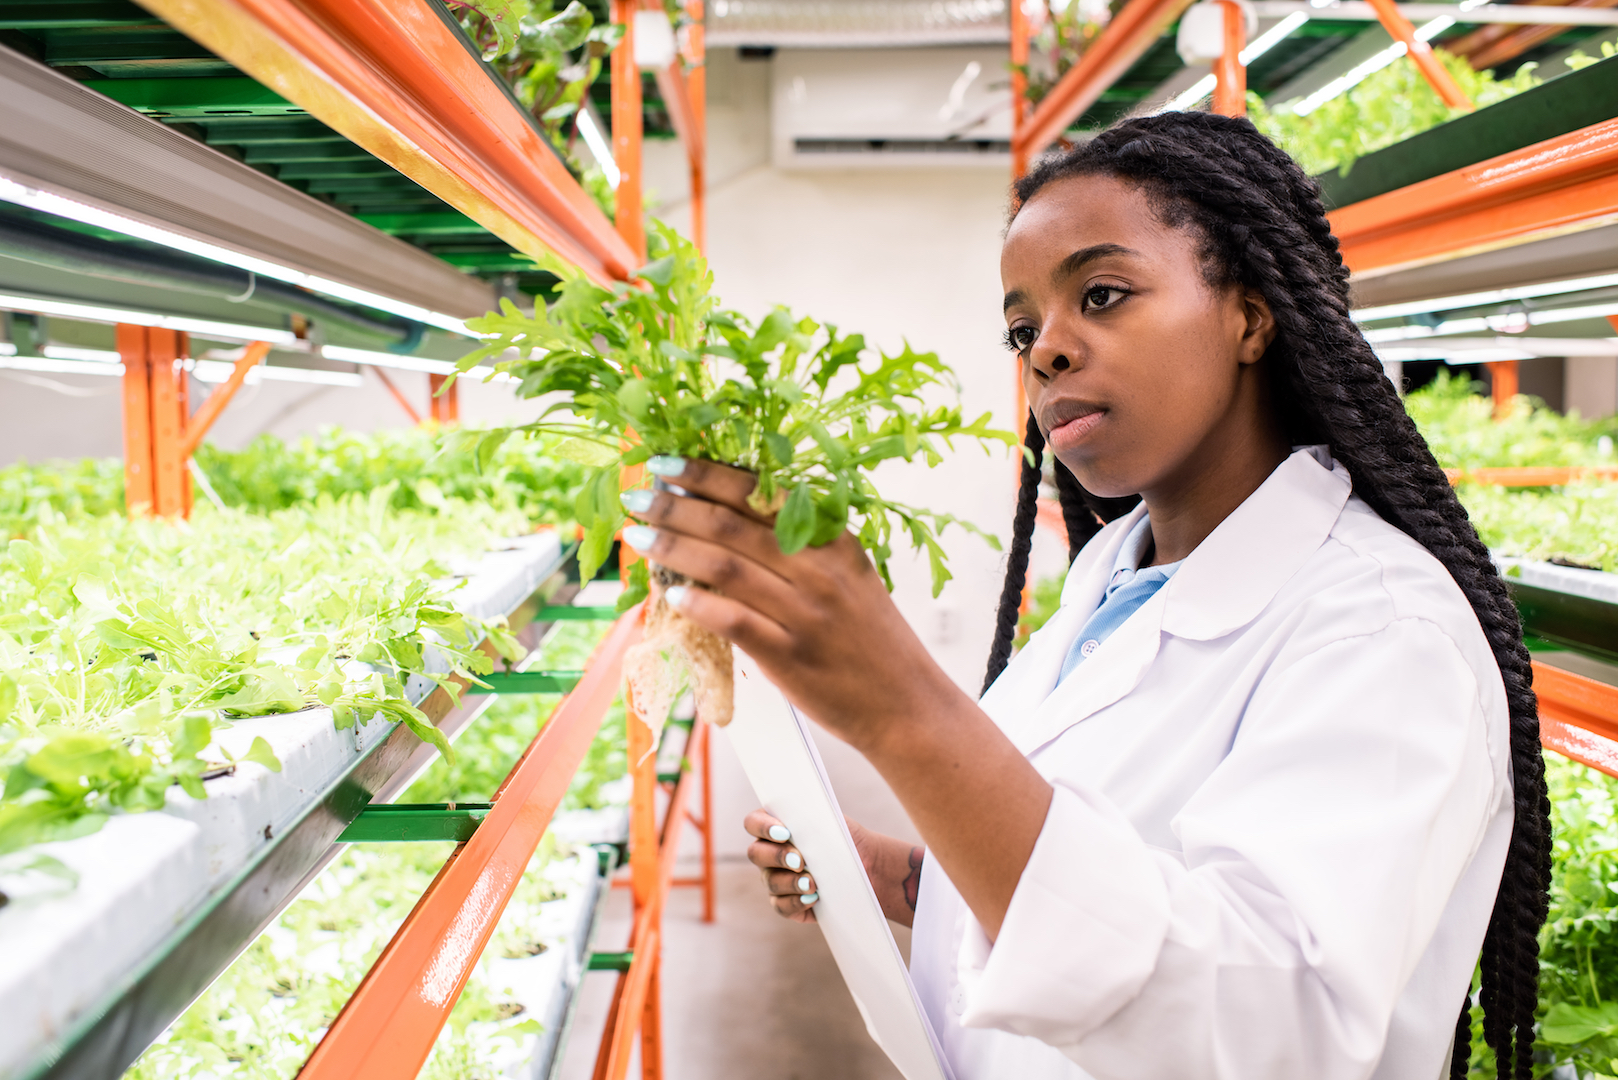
(779, 756)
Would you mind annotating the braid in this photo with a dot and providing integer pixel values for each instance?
(1077, 514)
(1264, 228)
(1022, 542)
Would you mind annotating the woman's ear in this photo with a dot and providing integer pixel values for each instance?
(1259, 328)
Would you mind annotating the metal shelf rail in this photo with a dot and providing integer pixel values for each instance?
(105, 1038)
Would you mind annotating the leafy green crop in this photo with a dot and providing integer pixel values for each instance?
(1389, 106)
(263, 1016)
(123, 644)
(661, 369)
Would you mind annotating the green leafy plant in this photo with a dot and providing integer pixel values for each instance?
(1389, 106)
(656, 367)
(124, 645)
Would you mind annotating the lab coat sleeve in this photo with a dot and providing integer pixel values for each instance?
(1317, 859)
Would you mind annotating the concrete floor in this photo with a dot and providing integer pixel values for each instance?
(750, 996)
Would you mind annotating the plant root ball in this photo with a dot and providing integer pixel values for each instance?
(674, 653)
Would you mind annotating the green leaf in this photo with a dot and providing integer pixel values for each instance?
(659, 271)
(636, 397)
(1566, 1024)
(488, 446)
(261, 754)
(795, 524)
(780, 447)
(586, 452)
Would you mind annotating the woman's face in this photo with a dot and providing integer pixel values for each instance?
(1138, 371)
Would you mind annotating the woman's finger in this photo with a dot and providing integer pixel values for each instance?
(732, 620)
(714, 565)
(714, 522)
(771, 856)
(787, 883)
(709, 480)
(766, 826)
(793, 908)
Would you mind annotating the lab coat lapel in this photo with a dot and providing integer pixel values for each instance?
(1224, 584)
(1112, 671)
(1025, 689)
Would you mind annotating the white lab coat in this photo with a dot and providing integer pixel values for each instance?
(1282, 804)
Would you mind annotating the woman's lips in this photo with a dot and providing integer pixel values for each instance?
(1074, 431)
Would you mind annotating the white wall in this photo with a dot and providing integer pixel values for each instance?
(1590, 385)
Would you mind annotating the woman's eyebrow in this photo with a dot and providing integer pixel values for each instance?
(1015, 296)
(1076, 261)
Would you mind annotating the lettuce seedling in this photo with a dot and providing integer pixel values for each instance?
(656, 366)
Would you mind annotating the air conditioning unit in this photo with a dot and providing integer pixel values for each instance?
(842, 108)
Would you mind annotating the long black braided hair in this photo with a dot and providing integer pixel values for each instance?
(1264, 228)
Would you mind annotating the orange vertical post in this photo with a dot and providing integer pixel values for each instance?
(645, 857)
(709, 883)
(626, 130)
(445, 405)
(169, 478)
(697, 84)
(137, 419)
(1503, 386)
(1400, 28)
(1230, 85)
(1019, 88)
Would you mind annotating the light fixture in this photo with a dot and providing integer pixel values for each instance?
(1489, 323)
(73, 210)
(56, 365)
(1257, 48)
(205, 328)
(1491, 296)
(406, 363)
(1360, 72)
(218, 371)
(599, 149)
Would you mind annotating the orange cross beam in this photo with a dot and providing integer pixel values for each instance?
(1400, 28)
(196, 429)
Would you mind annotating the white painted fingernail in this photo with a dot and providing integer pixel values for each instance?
(808, 898)
(793, 860)
(803, 883)
(675, 594)
(640, 537)
(779, 833)
(638, 501)
(666, 465)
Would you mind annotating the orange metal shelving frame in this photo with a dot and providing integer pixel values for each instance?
(160, 431)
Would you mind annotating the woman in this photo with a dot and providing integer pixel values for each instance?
(1253, 801)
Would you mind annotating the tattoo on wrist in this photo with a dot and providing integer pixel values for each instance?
(912, 884)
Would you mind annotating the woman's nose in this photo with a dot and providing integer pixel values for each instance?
(1048, 361)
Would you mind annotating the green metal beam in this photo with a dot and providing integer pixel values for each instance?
(571, 613)
(213, 94)
(610, 961)
(366, 166)
(72, 15)
(404, 823)
(335, 148)
(248, 131)
(492, 260)
(528, 682)
(434, 223)
(366, 185)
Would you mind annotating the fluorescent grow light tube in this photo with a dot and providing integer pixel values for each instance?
(1259, 46)
(206, 328)
(1492, 296)
(1359, 73)
(73, 210)
(59, 366)
(405, 363)
(599, 148)
(217, 371)
(1482, 324)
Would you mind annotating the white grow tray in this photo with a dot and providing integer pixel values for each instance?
(142, 875)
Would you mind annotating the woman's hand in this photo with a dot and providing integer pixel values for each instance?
(822, 627)
(820, 622)
(893, 867)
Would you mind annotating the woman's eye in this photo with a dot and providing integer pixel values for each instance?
(1020, 338)
(1102, 296)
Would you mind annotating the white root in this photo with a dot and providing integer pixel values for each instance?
(676, 652)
